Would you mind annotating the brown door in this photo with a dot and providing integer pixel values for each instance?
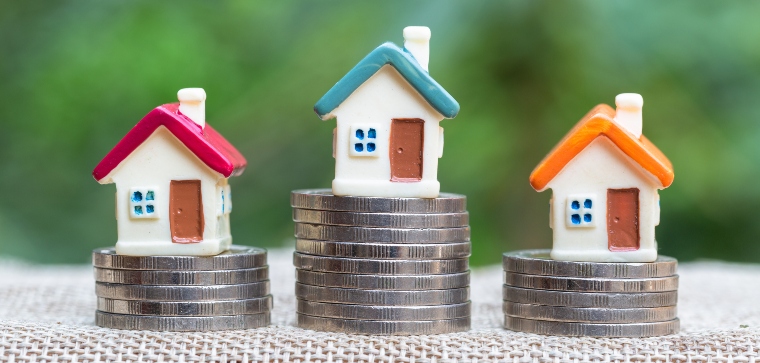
(407, 139)
(623, 219)
(186, 211)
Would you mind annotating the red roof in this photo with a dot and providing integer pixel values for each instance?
(207, 144)
(599, 122)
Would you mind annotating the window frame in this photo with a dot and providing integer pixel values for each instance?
(365, 140)
(581, 211)
(144, 203)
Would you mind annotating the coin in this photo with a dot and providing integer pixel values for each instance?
(375, 282)
(590, 299)
(426, 251)
(182, 293)
(538, 262)
(322, 199)
(382, 297)
(589, 315)
(180, 323)
(380, 267)
(157, 277)
(591, 284)
(237, 257)
(392, 220)
(391, 235)
(375, 327)
(638, 330)
(186, 308)
(372, 312)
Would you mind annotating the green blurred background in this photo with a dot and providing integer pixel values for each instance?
(76, 76)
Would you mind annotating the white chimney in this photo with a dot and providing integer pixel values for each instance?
(417, 42)
(628, 113)
(192, 103)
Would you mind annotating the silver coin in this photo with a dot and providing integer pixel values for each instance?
(181, 323)
(590, 299)
(379, 267)
(390, 235)
(388, 220)
(379, 282)
(656, 284)
(182, 293)
(371, 312)
(382, 297)
(157, 277)
(186, 308)
(589, 315)
(376, 327)
(637, 330)
(408, 251)
(237, 257)
(538, 262)
(322, 199)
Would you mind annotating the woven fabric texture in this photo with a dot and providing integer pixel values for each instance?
(47, 315)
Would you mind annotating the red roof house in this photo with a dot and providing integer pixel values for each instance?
(171, 172)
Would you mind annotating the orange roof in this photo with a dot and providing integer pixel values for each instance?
(598, 122)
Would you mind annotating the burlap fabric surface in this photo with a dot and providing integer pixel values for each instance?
(47, 315)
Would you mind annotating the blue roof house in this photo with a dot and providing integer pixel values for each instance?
(388, 140)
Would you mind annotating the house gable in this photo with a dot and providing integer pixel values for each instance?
(599, 122)
(601, 166)
(162, 157)
(405, 64)
(399, 99)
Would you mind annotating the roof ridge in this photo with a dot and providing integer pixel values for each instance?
(600, 122)
(205, 142)
(404, 62)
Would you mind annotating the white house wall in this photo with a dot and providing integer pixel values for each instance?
(384, 96)
(159, 160)
(601, 166)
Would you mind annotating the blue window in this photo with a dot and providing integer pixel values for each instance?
(580, 210)
(363, 140)
(224, 205)
(142, 202)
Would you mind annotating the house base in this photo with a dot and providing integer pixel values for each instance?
(386, 188)
(641, 255)
(168, 248)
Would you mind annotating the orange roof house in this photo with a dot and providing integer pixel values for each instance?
(605, 176)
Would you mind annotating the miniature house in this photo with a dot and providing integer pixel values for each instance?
(604, 177)
(388, 140)
(171, 171)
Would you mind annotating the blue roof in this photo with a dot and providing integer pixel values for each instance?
(405, 64)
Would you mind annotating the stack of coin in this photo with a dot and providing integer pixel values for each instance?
(371, 265)
(183, 293)
(615, 299)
